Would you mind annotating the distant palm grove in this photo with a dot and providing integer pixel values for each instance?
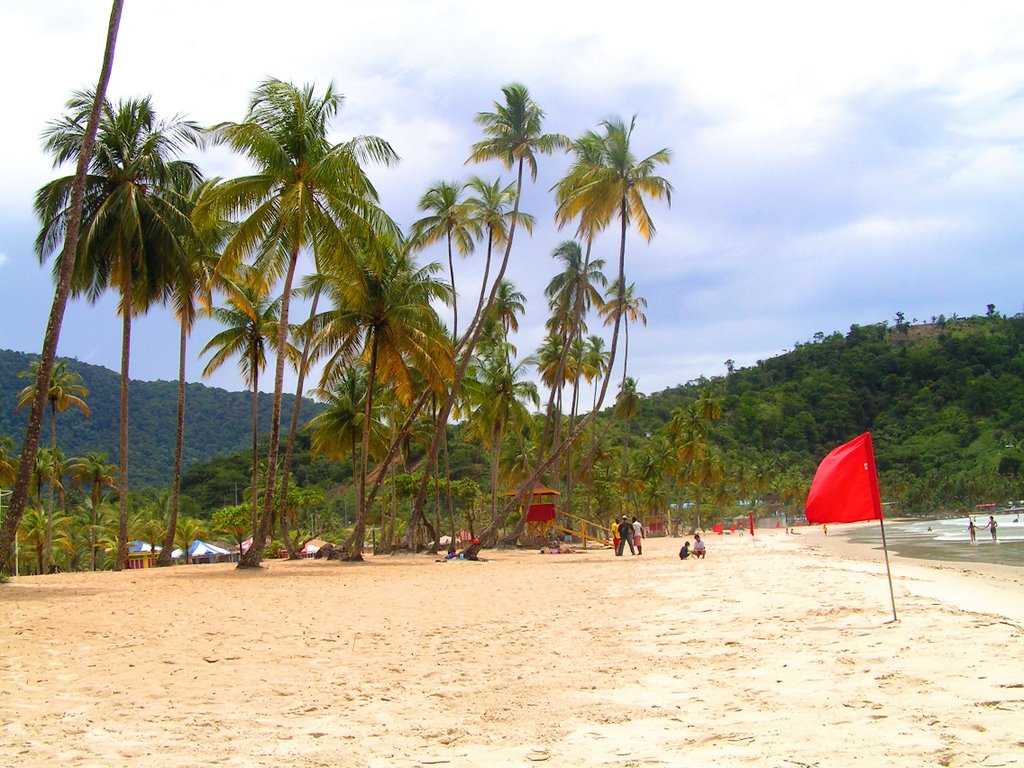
(422, 431)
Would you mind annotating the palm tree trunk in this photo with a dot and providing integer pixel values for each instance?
(476, 327)
(122, 520)
(293, 429)
(487, 536)
(254, 554)
(30, 447)
(48, 548)
(255, 454)
(96, 489)
(179, 438)
(455, 298)
(355, 541)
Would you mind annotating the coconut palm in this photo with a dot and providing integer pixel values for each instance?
(189, 529)
(190, 293)
(133, 223)
(489, 206)
(65, 391)
(95, 471)
(448, 219)
(251, 318)
(608, 182)
(497, 393)
(72, 230)
(337, 430)
(627, 405)
(385, 318)
(512, 135)
(624, 305)
(306, 193)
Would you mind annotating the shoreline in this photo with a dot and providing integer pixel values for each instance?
(776, 651)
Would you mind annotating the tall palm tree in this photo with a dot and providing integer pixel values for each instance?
(306, 193)
(250, 318)
(385, 318)
(627, 405)
(65, 391)
(512, 135)
(61, 293)
(624, 305)
(607, 182)
(190, 293)
(497, 395)
(133, 222)
(489, 205)
(448, 219)
(95, 471)
(337, 430)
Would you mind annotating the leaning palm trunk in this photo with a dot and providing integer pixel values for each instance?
(48, 547)
(179, 438)
(254, 554)
(30, 446)
(293, 429)
(488, 536)
(121, 561)
(468, 344)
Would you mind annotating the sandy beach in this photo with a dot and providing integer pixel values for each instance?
(774, 652)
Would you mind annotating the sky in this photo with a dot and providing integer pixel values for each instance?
(832, 163)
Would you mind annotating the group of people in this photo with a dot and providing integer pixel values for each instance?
(972, 529)
(628, 532)
(698, 550)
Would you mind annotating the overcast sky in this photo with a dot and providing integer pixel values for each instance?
(832, 163)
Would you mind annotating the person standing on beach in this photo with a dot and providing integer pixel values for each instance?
(638, 536)
(625, 537)
(992, 525)
(972, 529)
(614, 527)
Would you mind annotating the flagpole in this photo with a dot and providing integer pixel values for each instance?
(888, 572)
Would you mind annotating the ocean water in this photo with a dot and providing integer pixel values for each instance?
(948, 539)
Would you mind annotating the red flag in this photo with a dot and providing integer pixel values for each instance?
(751, 525)
(845, 487)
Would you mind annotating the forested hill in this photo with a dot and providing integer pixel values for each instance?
(216, 421)
(944, 401)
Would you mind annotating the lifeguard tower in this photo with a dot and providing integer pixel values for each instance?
(540, 518)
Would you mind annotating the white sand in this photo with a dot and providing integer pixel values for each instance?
(779, 652)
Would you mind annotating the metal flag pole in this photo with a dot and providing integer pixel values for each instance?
(888, 572)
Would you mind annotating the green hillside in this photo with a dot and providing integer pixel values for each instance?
(217, 422)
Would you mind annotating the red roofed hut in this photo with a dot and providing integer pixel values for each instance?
(541, 516)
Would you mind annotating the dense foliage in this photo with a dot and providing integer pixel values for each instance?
(216, 421)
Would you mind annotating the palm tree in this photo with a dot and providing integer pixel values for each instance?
(448, 219)
(385, 318)
(190, 293)
(306, 192)
(189, 529)
(490, 210)
(512, 135)
(606, 182)
(251, 318)
(65, 391)
(9, 528)
(625, 305)
(627, 405)
(496, 398)
(337, 430)
(94, 470)
(134, 222)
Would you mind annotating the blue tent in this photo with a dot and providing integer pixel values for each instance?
(202, 549)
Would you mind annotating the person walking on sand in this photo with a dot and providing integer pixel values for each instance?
(625, 537)
(972, 529)
(992, 525)
(638, 536)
